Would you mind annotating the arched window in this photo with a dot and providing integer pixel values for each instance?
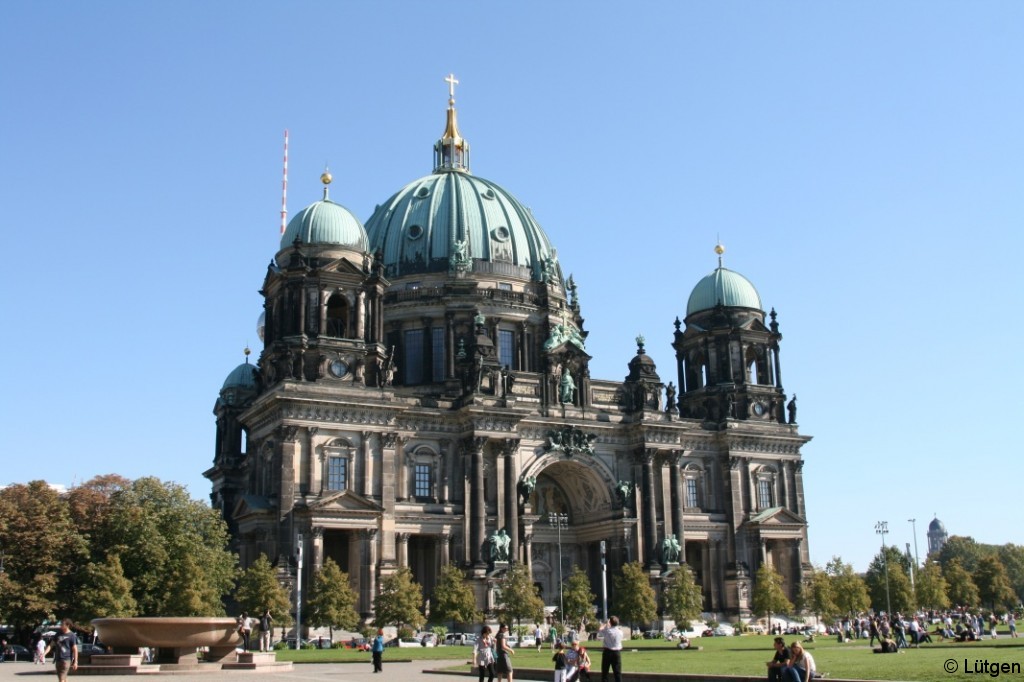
(337, 316)
(765, 482)
(337, 462)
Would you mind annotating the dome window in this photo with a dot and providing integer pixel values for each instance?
(422, 193)
(501, 233)
(415, 232)
(488, 193)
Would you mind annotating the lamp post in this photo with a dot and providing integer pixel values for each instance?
(559, 521)
(882, 528)
(913, 524)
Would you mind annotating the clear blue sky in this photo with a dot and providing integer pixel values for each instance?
(861, 162)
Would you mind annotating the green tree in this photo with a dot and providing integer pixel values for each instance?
(962, 591)
(932, 590)
(519, 598)
(769, 596)
(900, 596)
(40, 580)
(172, 548)
(849, 590)
(1012, 557)
(635, 599)
(453, 599)
(332, 601)
(962, 549)
(399, 601)
(993, 584)
(106, 592)
(259, 589)
(818, 595)
(577, 600)
(682, 598)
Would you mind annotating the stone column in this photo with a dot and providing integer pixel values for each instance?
(364, 467)
(478, 519)
(449, 354)
(784, 474)
(444, 472)
(528, 551)
(511, 498)
(678, 502)
(313, 462)
(369, 570)
(361, 315)
(318, 547)
(403, 548)
(798, 484)
(389, 449)
(646, 458)
(446, 548)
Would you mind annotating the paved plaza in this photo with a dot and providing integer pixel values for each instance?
(342, 672)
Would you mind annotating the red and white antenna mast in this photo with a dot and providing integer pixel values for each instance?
(284, 186)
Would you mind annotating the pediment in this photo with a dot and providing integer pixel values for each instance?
(253, 505)
(755, 325)
(775, 517)
(344, 501)
(344, 266)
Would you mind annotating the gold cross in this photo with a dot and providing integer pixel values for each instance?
(450, 80)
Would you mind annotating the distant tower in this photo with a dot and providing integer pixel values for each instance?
(936, 535)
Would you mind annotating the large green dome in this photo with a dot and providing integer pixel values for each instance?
(447, 214)
(326, 223)
(729, 288)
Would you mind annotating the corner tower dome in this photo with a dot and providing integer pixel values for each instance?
(326, 223)
(451, 221)
(725, 287)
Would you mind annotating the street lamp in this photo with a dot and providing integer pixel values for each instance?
(559, 521)
(882, 528)
(917, 561)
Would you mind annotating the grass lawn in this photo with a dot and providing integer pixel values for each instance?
(744, 656)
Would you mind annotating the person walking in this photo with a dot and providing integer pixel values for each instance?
(560, 664)
(485, 654)
(377, 651)
(40, 651)
(611, 654)
(266, 623)
(65, 650)
(245, 629)
(503, 654)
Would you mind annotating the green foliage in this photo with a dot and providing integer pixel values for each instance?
(849, 592)
(635, 600)
(519, 597)
(578, 600)
(399, 601)
(962, 591)
(993, 584)
(900, 595)
(439, 632)
(682, 598)
(931, 588)
(769, 596)
(818, 595)
(332, 601)
(106, 592)
(1012, 557)
(964, 550)
(259, 589)
(453, 599)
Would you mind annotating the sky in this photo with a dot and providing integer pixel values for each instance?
(859, 161)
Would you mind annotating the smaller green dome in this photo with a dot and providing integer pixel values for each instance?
(327, 223)
(729, 288)
(243, 376)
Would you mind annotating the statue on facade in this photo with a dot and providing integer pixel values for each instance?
(500, 542)
(670, 550)
(791, 409)
(624, 489)
(670, 396)
(526, 486)
(460, 256)
(567, 388)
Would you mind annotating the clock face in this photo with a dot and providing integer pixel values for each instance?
(758, 409)
(339, 368)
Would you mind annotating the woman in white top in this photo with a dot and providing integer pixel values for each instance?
(485, 654)
(801, 665)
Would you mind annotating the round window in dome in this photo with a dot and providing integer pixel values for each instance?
(488, 193)
(501, 233)
(422, 192)
(415, 232)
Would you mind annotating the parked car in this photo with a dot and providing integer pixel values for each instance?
(528, 640)
(358, 643)
(459, 638)
(16, 652)
(404, 642)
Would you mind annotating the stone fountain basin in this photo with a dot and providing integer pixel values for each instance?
(170, 633)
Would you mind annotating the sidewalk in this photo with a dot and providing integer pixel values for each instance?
(23, 671)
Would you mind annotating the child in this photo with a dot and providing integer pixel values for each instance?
(559, 659)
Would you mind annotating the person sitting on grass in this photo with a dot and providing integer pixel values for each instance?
(779, 662)
(801, 666)
(886, 646)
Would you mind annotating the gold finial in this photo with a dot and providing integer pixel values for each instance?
(719, 249)
(326, 178)
(247, 352)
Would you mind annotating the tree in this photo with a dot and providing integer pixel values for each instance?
(635, 599)
(900, 596)
(259, 589)
(931, 587)
(332, 601)
(399, 601)
(849, 591)
(964, 550)
(1012, 557)
(40, 580)
(769, 597)
(106, 592)
(172, 548)
(453, 599)
(519, 598)
(993, 584)
(962, 591)
(818, 595)
(577, 600)
(682, 598)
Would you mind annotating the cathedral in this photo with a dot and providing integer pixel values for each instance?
(423, 397)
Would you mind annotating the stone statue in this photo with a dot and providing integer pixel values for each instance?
(526, 486)
(670, 396)
(670, 550)
(624, 490)
(791, 408)
(567, 389)
(460, 256)
(500, 542)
